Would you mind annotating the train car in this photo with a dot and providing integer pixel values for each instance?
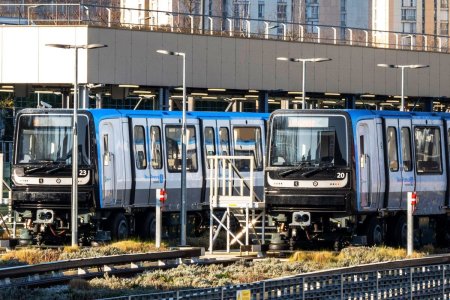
(342, 176)
(124, 156)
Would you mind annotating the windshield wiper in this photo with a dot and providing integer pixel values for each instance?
(318, 169)
(55, 169)
(299, 167)
(33, 170)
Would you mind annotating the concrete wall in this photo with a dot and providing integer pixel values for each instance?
(212, 62)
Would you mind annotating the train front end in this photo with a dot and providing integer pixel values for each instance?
(42, 174)
(309, 177)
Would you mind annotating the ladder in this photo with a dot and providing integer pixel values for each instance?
(232, 194)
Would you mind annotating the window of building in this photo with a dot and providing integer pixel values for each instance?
(281, 11)
(408, 14)
(392, 149)
(408, 3)
(409, 28)
(443, 28)
(444, 3)
(155, 147)
(261, 10)
(427, 142)
(247, 142)
(312, 12)
(140, 153)
(406, 149)
(173, 148)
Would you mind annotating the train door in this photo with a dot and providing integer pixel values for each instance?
(213, 136)
(108, 164)
(406, 168)
(368, 165)
(248, 140)
(173, 160)
(394, 179)
(431, 175)
(140, 164)
(157, 177)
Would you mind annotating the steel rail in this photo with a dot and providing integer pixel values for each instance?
(9, 273)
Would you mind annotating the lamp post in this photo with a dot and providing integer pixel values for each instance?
(74, 219)
(304, 61)
(402, 67)
(183, 147)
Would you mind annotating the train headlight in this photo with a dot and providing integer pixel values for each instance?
(301, 218)
(44, 216)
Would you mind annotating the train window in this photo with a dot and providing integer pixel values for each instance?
(428, 149)
(173, 147)
(392, 149)
(155, 147)
(406, 149)
(210, 143)
(140, 153)
(247, 142)
(224, 140)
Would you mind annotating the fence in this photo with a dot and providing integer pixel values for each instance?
(421, 278)
(141, 19)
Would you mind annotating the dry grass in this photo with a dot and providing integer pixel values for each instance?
(31, 256)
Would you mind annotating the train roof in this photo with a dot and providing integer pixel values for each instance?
(115, 113)
(360, 114)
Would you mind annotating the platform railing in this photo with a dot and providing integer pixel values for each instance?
(61, 14)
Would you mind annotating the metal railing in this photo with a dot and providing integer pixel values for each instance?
(188, 23)
(427, 278)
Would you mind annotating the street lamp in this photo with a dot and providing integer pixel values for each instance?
(183, 147)
(304, 61)
(402, 102)
(74, 219)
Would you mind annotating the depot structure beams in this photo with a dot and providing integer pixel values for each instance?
(212, 62)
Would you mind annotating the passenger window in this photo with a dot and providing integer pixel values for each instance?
(406, 149)
(140, 153)
(174, 144)
(428, 149)
(224, 141)
(210, 144)
(247, 142)
(155, 147)
(392, 149)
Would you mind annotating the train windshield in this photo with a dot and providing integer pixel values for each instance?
(48, 139)
(312, 140)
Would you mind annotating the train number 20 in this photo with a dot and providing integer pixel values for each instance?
(340, 175)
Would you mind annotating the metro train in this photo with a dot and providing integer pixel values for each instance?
(124, 156)
(342, 176)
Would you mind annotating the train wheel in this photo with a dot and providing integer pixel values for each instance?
(400, 231)
(374, 232)
(149, 226)
(119, 227)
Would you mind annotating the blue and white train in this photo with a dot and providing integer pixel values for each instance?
(342, 176)
(124, 156)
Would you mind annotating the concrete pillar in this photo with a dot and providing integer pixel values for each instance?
(284, 104)
(190, 104)
(428, 104)
(263, 102)
(83, 94)
(98, 100)
(350, 101)
(163, 100)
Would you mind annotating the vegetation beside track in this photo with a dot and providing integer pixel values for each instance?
(191, 276)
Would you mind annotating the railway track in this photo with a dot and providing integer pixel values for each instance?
(61, 272)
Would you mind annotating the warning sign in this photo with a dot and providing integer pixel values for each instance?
(243, 295)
